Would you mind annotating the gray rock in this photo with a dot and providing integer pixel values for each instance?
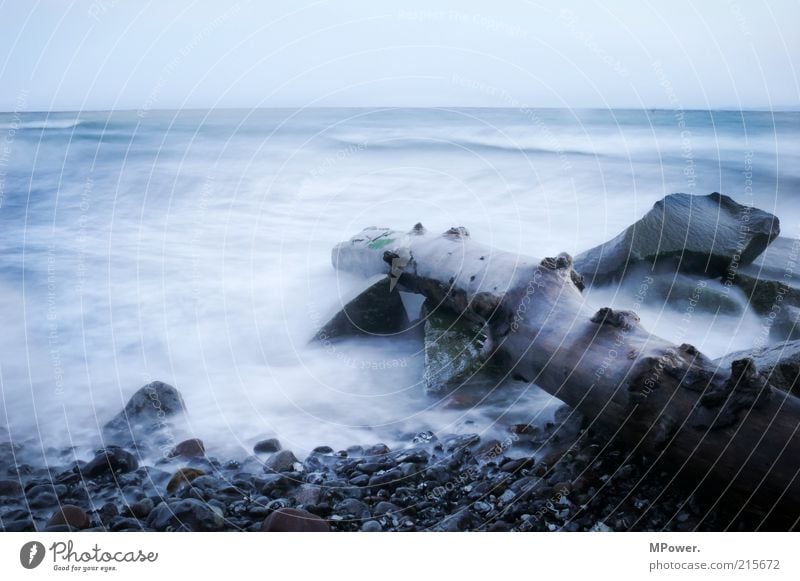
(705, 235)
(786, 325)
(267, 446)
(351, 508)
(126, 524)
(146, 415)
(43, 500)
(463, 520)
(681, 291)
(778, 364)
(111, 460)
(187, 515)
(308, 495)
(371, 526)
(777, 262)
(384, 507)
(377, 309)
(282, 461)
(142, 508)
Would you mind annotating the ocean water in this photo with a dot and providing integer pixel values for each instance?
(194, 247)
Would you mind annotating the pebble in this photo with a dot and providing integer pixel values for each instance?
(371, 526)
(70, 515)
(291, 520)
(183, 476)
(186, 514)
(10, 488)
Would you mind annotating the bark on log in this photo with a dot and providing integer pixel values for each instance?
(726, 427)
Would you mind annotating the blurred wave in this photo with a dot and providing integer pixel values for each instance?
(193, 247)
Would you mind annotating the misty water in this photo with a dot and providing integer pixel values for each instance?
(194, 247)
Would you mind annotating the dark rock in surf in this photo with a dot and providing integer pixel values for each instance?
(282, 461)
(771, 280)
(267, 446)
(376, 310)
(146, 415)
(705, 235)
(786, 325)
(778, 364)
(112, 460)
(192, 448)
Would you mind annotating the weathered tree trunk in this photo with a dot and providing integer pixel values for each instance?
(724, 426)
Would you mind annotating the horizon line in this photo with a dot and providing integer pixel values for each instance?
(730, 109)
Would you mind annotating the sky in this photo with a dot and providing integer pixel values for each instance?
(114, 54)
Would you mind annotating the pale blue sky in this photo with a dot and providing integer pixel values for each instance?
(104, 54)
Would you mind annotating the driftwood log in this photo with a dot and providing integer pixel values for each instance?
(723, 427)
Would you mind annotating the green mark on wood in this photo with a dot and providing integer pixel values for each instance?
(380, 243)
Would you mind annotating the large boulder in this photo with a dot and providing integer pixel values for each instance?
(778, 364)
(375, 309)
(707, 235)
(146, 417)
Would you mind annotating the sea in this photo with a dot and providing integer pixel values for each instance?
(193, 247)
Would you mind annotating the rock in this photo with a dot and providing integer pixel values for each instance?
(18, 526)
(10, 488)
(282, 461)
(107, 513)
(454, 349)
(126, 524)
(308, 495)
(183, 476)
(384, 507)
(371, 526)
(71, 515)
(147, 411)
(112, 460)
(142, 508)
(705, 235)
(681, 291)
(192, 448)
(187, 514)
(42, 500)
(764, 293)
(516, 464)
(778, 364)
(460, 521)
(786, 326)
(776, 267)
(377, 450)
(323, 450)
(351, 508)
(376, 309)
(292, 520)
(267, 446)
